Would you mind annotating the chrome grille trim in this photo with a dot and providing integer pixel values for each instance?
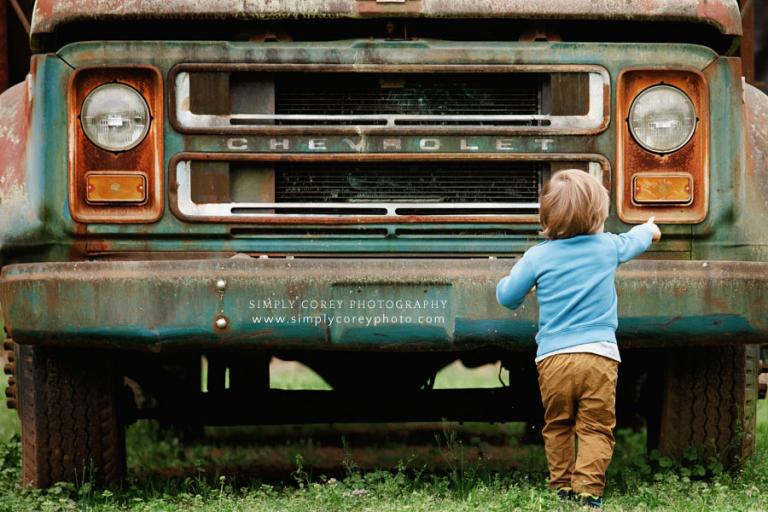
(594, 120)
(189, 209)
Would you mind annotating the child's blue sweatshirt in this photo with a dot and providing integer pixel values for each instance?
(575, 288)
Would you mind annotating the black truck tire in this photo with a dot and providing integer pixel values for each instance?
(709, 403)
(70, 426)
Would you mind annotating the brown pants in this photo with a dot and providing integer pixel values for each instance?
(579, 396)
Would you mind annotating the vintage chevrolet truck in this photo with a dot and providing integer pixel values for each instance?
(189, 188)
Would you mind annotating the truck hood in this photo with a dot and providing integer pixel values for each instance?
(51, 14)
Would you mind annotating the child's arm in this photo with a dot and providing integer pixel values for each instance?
(511, 290)
(637, 240)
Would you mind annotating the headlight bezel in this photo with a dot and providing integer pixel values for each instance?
(86, 158)
(643, 94)
(693, 158)
(130, 90)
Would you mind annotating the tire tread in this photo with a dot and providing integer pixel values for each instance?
(710, 396)
(70, 426)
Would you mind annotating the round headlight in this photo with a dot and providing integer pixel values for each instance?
(662, 119)
(115, 117)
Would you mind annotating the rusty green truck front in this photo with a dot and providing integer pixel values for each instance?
(347, 190)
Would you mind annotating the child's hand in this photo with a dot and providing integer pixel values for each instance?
(654, 229)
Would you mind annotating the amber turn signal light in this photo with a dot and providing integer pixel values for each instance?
(115, 188)
(662, 188)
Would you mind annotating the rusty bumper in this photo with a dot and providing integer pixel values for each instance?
(368, 304)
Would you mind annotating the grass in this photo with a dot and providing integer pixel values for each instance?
(377, 468)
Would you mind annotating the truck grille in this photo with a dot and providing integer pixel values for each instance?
(343, 98)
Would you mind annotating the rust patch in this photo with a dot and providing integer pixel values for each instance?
(721, 11)
(17, 210)
(14, 122)
(378, 8)
(757, 149)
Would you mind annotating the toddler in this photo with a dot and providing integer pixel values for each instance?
(577, 357)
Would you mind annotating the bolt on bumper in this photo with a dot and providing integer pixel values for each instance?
(372, 304)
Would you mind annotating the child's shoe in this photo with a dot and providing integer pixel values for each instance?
(565, 493)
(589, 500)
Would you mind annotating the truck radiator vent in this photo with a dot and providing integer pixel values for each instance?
(405, 182)
(446, 98)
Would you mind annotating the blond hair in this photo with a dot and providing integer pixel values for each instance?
(573, 203)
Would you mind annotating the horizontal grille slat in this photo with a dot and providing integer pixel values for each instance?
(448, 182)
